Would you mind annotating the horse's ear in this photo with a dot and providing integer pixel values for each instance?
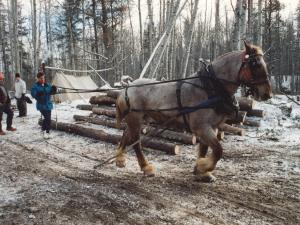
(247, 47)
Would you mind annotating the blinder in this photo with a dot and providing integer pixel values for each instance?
(246, 75)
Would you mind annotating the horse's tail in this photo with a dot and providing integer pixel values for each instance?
(119, 113)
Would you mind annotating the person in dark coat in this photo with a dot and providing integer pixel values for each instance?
(42, 92)
(5, 107)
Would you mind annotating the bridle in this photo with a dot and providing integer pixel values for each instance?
(246, 76)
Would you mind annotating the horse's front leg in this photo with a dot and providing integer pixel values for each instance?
(205, 165)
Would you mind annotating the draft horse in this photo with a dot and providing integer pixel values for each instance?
(213, 86)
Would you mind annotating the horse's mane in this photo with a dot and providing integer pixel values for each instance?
(256, 50)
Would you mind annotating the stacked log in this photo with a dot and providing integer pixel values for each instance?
(102, 100)
(105, 116)
(101, 135)
(105, 112)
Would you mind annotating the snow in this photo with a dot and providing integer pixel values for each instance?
(249, 164)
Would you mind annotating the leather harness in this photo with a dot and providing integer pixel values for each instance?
(218, 98)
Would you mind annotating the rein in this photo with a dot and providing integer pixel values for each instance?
(140, 85)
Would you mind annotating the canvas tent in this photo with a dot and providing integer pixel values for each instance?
(77, 82)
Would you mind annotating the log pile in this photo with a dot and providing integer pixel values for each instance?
(103, 113)
(102, 135)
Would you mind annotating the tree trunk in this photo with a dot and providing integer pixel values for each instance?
(243, 23)
(259, 25)
(34, 38)
(96, 44)
(236, 29)
(190, 38)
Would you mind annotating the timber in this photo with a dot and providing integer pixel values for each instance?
(256, 112)
(106, 112)
(246, 104)
(240, 118)
(113, 93)
(251, 122)
(170, 135)
(228, 129)
(100, 121)
(220, 135)
(152, 131)
(85, 107)
(102, 100)
(101, 135)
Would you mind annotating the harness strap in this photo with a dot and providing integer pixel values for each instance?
(178, 95)
(127, 102)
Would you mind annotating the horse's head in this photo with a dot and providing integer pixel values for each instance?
(254, 74)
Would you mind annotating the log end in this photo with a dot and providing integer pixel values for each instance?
(177, 149)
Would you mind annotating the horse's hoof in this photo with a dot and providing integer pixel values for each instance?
(120, 163)
(207, 178)
(149, 170)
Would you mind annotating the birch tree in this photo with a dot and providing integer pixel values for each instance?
(236, 29)
(190, 38)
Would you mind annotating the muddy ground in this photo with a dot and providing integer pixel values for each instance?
(54, 183)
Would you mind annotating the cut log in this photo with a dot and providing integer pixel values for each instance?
(170, 135)
(100, 121)
(256, 112)
(240, 118)
(101, 135)
(228, 129)
(251, 122)
(220, 135)
(106, 112)
(102, 100)
(113, 93)
(85, 107)
(152, 131)
(246, 104)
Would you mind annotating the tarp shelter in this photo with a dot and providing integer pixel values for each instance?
(76, 82)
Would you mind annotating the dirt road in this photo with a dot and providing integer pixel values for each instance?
(55, 183)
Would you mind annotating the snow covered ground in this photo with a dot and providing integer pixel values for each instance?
(54, 182)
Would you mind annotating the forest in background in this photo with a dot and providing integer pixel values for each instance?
(101, 35)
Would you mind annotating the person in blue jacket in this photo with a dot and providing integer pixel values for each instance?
(42, 92)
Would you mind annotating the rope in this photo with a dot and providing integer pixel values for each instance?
(290, 98)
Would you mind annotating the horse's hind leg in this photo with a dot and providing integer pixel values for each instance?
(121, 154)
(130, 136)
(202, 150)
(146, 167)
(205, 166)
